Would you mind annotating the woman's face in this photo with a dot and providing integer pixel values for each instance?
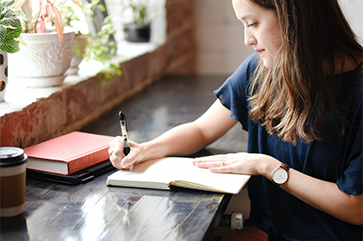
(262, 30)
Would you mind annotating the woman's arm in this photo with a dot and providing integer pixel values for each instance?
(325, 196)
(182, 140)
(320, 194)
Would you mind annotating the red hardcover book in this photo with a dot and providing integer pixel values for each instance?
(69, 153)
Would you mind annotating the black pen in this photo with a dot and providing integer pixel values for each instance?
(123, 125)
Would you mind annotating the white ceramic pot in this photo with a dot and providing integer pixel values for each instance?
(44, 61)
(3, 74)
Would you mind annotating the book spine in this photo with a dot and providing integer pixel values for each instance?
(87, 160)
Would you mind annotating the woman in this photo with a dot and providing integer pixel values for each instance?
(300, 99)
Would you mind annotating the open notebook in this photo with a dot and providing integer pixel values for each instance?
(177, 171)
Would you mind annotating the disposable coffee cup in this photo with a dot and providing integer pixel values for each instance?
(12, 181)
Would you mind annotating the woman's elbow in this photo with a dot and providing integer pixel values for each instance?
(355, 215)
(356, 221)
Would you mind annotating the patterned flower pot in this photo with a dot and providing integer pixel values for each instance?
(43, 62)
(3, 74)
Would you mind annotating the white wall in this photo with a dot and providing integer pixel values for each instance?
(353, 10)
(219, 35)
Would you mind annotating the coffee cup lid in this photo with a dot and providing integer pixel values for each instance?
(12, 156)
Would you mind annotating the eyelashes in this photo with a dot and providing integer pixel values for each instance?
(251, 25)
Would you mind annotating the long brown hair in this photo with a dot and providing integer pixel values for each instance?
(296, 96)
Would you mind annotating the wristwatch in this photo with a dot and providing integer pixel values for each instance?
(280, 174)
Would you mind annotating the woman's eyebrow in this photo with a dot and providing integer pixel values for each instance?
(246, 16)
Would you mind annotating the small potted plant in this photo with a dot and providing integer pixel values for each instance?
(10, 29)
(101, 48)
(74, 16)
(48, 51)
(96, 45)
(138, 30)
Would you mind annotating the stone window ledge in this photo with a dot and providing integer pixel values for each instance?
(32, 115)
(19, 96)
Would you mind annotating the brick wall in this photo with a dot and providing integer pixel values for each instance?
(180, 36)
(76, 105)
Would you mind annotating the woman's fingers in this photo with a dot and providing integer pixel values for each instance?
(128, 160)
(117, 156)
(115, 152)
(209, 164)
(217, 161)
(223, 163)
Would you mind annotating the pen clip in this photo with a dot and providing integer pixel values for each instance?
(123, 118)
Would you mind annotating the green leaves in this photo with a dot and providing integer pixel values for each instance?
(10, 28)
(6, 4)
(102, 48)
(139, 10)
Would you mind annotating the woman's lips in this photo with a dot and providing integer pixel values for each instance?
(260, 51)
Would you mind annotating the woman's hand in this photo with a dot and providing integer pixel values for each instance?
(241, 163)
(117, 156)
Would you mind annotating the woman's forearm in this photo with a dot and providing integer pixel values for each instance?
(182, 140)
(326, 197)
(320, 194)
(189, 138)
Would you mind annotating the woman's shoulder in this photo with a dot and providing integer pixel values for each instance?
(249, 64)
(236, 84)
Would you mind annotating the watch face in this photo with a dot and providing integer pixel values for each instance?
(279, 175)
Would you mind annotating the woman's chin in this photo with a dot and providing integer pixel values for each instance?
(267, 63)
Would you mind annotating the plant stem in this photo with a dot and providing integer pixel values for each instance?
(34, 22)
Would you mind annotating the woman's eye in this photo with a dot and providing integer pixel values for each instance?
(251, 24)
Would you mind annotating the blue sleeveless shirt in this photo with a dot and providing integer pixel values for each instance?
(337, 158)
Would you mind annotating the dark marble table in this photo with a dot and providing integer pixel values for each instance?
(94, 211)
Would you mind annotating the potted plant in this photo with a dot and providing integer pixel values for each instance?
(90, 45)
(138, 30)
(74, 16)
(10, 29)
(101, 48)
(48, 51)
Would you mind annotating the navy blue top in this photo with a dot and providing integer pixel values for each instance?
(335, 159)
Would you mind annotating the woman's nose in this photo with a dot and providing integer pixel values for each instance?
(250, 40)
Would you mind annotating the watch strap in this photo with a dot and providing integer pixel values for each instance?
(285, 167)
